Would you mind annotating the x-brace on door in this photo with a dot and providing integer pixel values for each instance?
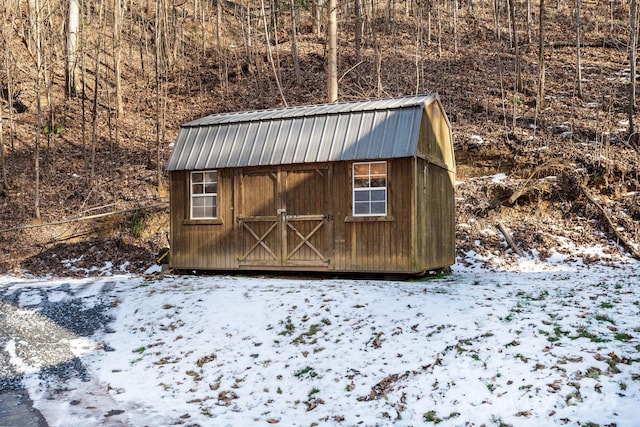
(285, 217)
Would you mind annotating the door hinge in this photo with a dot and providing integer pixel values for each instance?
(328, 217)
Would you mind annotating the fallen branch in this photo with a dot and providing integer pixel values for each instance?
(525, 187)
(509, 240)
(621, 239)
(160, 205)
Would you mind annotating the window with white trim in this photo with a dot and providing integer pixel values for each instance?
(370, 189)
(204, 195)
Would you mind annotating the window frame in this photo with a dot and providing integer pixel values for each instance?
(204, 194)
(370, 189)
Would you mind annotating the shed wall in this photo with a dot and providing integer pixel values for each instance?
(356, 244)
(435, 137)
(203, 244)
(435, 222)
(375, 244)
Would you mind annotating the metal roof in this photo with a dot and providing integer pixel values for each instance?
(358, 130)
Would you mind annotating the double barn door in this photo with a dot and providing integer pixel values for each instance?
(284, 217)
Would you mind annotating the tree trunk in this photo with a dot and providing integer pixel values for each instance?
(541, 70)
(514, 27)
(439, 23)
(332, 56)
(429, 9)
(34, 14)
(578, 56)
(160, 63)
(294, 44)
(94, 110)
(496, 18)
(455, 26)
(83, 79)
(633, 46)
(316, 18)
(218, 25)
(4, 184)
(358, 30)
(72, 47)
(117, 54)
(419, 47)
(269, 55)
(529, 19)
(3, 163)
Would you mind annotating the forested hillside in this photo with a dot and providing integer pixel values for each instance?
(92, 94)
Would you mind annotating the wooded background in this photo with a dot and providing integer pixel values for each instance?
(92, 92)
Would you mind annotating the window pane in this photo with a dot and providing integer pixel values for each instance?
(361, 208)
(211, 176)
(361, 196)
(197, 212)
(360, 169)
(211, 188)
(361, 183)
(379, 168)
(197, 189)
(209, 212)
(197, 202)
(378, 208)
(378, 195)
(378, 181)
(197, 177)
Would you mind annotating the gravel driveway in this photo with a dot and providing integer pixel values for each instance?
(43, 332)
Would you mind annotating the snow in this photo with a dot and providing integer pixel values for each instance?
(552, 342)
(477, 139)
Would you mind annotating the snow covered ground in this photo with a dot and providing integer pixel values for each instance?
(534, 344)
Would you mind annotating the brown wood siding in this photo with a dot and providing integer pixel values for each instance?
(435, 191)
(435, 137)
(201, 244)
(435, 223)
(375, 244)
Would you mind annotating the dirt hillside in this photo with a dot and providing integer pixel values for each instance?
(550, 176)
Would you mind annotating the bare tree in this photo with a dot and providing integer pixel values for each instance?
(94, 108)
(357, 14)
(633, 46)
(514, 27)
(496, 18)
(269, 55)
(73, 23)
(541, 65)
(578, 55)
(117, 54)
(316, 16)
(218, 25)
(3, 163)
(160, 69)
(294, 44)
(332, 55)
(36, 46)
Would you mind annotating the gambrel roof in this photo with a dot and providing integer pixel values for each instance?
(359, 130)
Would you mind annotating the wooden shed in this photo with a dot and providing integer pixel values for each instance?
(352, 187)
